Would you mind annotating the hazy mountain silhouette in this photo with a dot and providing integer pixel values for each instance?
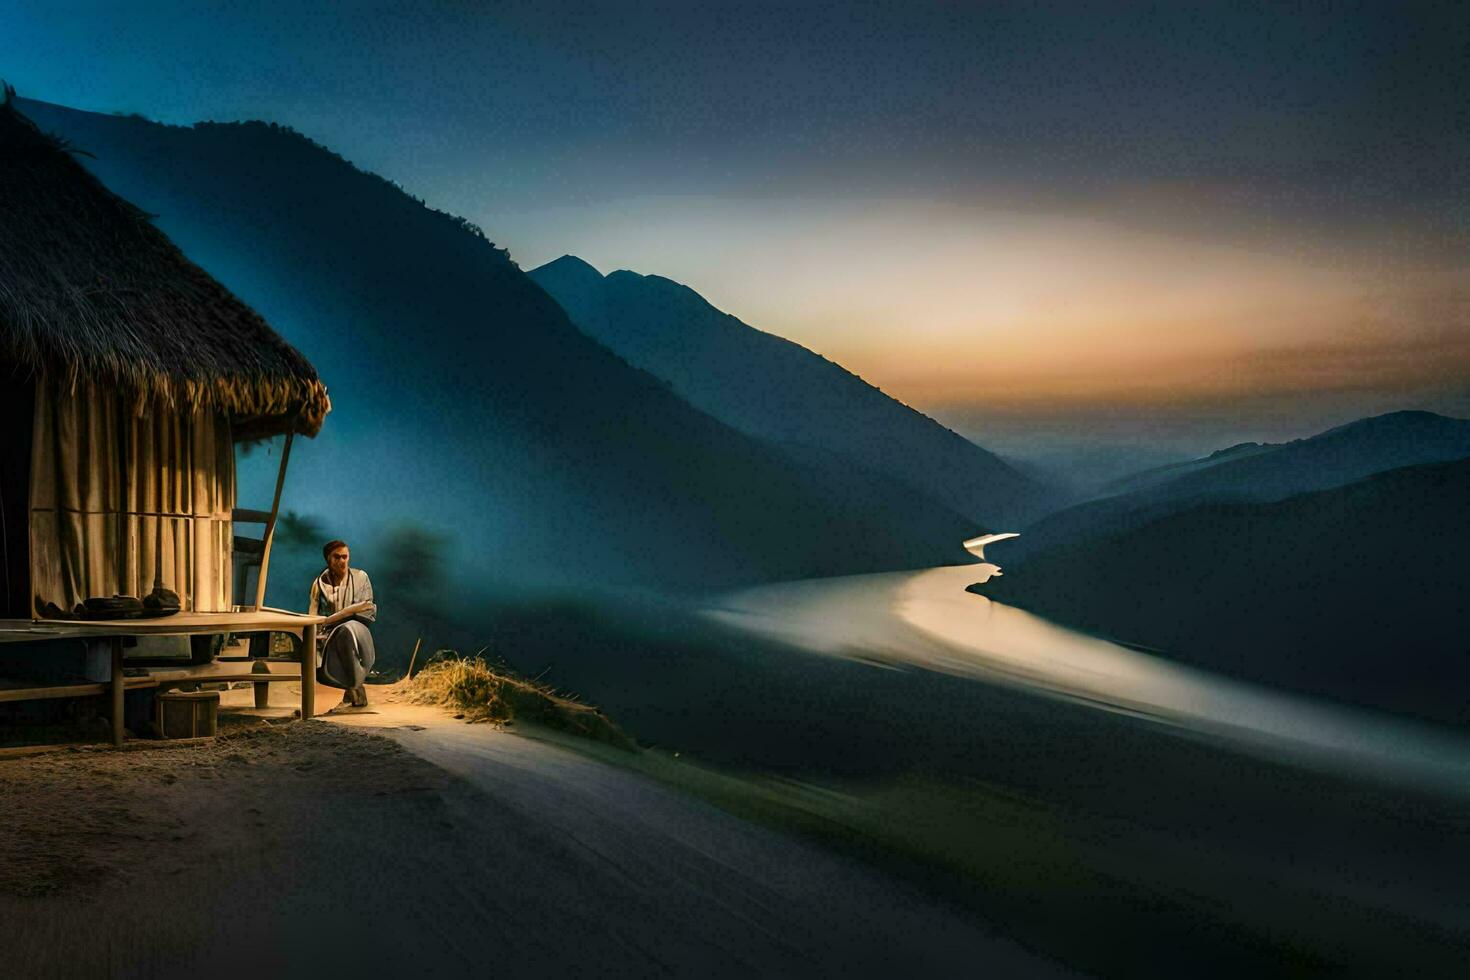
(1356, 592)
(778, 390)
(1171, 471)
(466, 401)
(1258, 473)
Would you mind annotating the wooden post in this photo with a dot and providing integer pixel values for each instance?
(262, 688)
(270, 525)
(308, 671)
(117, 691)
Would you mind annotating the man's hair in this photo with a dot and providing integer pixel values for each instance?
(330, 547)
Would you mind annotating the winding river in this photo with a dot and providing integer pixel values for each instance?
(926, 619)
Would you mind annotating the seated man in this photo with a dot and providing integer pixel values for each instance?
(345, 651)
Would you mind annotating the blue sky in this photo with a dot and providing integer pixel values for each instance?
(1234, 217)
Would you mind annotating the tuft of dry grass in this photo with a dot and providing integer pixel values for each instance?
(496, 694)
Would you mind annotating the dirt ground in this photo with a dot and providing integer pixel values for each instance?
(84, 819)
(133, 863)
(327, 847)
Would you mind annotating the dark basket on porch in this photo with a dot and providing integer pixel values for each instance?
(186, 714)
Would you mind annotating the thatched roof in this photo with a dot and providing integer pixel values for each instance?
(90, 289)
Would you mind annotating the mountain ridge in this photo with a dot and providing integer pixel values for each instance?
(1333, 457)
(773, 388)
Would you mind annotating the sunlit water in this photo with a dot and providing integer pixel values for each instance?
(927, 619)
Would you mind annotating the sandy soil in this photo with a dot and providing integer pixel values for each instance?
(337, 845)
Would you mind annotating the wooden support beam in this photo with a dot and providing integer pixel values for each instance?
(270, 527)
(242, 677)
(262, 690)
(117, 691)
(249, 546)
(43, 693)
(308, 671)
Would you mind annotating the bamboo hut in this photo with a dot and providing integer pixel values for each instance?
(129, 374)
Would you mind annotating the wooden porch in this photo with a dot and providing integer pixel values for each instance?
(181, 624)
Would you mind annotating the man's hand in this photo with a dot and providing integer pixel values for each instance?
(347, 612)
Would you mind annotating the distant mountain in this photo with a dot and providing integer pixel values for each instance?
(467, 402)
(1356, 592)
(1163, 474)
(1258, 473)
(778, 390)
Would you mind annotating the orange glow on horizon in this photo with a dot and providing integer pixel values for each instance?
(994, 304)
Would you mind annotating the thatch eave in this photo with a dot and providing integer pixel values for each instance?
(90, 290)
(257, 407)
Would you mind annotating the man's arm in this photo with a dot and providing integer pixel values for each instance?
(356, 609)
(360, 609)
(369, 611)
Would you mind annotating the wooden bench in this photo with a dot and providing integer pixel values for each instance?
(188, 624)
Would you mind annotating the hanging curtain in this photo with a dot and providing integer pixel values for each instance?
(106, 481)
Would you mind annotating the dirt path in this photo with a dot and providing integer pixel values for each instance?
(404, 842)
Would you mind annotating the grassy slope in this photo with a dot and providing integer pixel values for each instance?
(496, 694)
